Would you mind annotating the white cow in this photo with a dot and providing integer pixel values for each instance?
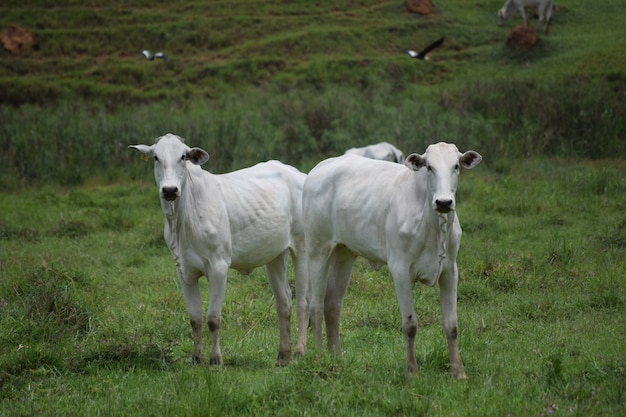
(511, 7)
(400, 215)
(383, 151)
(240, 220)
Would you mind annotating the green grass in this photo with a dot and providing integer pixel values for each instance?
(299, 82)
(92, 51)
(93, 322)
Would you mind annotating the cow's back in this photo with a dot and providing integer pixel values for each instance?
(382, 151)
(264, 211)
(352, 201)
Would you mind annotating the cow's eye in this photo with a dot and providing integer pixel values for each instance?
(456, 167)
(429, 168)
(183, 158)
(156, 158)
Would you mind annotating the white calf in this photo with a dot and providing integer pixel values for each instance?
(402, 215)
(240, 220)
(511, 7)
(383, 151)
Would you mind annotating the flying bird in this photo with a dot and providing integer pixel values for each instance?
(150, 57)
(423, 54)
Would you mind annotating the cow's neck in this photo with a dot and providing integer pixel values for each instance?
(175, 216)
(443, 224)
(176, 211)
(443, 221)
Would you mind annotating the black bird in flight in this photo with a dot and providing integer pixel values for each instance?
(150, 57)
(423, 54)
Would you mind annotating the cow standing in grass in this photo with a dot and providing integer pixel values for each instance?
(240, 220)
(544, 9)
(402, 215)
(383, 151)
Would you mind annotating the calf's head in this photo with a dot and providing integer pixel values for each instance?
(170, 155)
(442, 162)
(501, 17)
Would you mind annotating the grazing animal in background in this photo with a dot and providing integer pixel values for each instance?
(544, 10)
(383, 151)
(240, 220)
(400, 215)
(150, 57)
(423, 54)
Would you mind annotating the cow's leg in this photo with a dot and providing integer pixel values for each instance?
(217, 292)
(318, 263)
(403, 284)
(522, 11)
(548, 18)
(277, 275)
(193, 301)
(448, 288)
(302, 300)
(540, 13)
(338, 281)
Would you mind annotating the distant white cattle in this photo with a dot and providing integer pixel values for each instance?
(400, 215)
(240, 220)
(383, 151)
(544, 8)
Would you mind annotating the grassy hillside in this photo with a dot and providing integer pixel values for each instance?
(92, 50)
(92, 320)
(300, 81)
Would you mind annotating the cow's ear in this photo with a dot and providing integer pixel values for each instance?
(144, 149)
(470, 159)
(415, 161)
(197, 156)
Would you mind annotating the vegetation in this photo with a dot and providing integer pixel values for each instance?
(92, 321)
(299, 82)
(53, 145)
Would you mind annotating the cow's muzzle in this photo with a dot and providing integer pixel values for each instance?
(169, 193)
(444, 205)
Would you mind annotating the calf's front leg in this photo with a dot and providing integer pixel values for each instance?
(191, 293)
(217, 289)
(448, 294)
(404, 292)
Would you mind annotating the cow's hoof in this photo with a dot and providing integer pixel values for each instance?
(460, 376)
(283, 359)
(458, 372)
(198, 359)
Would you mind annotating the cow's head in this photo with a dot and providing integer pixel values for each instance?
(442, 162)
(502, 16)
(170, 155)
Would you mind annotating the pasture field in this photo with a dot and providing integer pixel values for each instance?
(93, 322)
(299, 82)
(92, 50)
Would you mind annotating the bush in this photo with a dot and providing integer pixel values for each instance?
(501, 119)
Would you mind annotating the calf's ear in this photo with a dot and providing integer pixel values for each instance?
(470, 159)
(415, 161)
(197, 156)
(144, 149)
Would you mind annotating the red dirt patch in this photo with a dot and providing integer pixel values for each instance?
(521, 37)
(423, 7)
(16, 39)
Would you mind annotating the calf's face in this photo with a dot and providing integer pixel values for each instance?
(501, 17)
(442, 162)
(170, 155)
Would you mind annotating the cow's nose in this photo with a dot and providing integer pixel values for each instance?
(169, 193)
(443, 205)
